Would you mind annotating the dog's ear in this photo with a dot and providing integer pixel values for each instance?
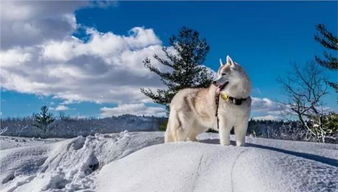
(220, 62)
(230, 61)
(233, 65)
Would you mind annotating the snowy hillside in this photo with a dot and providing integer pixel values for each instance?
(106, 162)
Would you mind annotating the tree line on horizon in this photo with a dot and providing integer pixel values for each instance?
(72, 127)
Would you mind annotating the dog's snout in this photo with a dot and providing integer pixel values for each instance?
(214, 82)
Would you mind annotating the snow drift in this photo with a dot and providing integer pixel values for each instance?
(67, 165)
(106, 162)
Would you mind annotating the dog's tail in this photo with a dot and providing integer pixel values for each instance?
(173, 124)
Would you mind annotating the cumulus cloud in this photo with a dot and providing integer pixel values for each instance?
(32, 22)
(134, 109)
(106, 68)
(61, 108)
(268, 109)
(39, 55)
(267, 105)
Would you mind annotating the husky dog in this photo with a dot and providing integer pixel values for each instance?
(192, 111)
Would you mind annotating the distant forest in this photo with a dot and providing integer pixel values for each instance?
(72, 127)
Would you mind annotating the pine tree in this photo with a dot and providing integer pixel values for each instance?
(43, 119)
(185, 57)
(329, 41)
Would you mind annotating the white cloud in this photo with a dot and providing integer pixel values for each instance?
(61, 108)
(267, 105)
(268, 117)
(27, 23)
(107, 68)
(135, 109)
(39, 55)
(266, 109)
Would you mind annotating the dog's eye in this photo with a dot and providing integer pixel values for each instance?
(224, 74)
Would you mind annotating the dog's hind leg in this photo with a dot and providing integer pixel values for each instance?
(173, 127)
(184, 131)
(180, 134)
(195, 130)
(168, 136)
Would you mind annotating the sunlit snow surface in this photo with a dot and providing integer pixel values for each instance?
(106, 162)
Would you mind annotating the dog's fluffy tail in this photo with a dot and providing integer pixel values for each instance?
(172, 125)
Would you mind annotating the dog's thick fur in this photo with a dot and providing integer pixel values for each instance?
(192, 111)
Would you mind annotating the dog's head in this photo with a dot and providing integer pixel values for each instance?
(230, 72)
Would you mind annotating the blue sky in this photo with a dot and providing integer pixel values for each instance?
(264, 37)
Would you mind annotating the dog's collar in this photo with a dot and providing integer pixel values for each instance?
(236, 101)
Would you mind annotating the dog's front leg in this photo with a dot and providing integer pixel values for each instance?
(224, 132)
(240, 132)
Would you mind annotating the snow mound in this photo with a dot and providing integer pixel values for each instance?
(186, 167)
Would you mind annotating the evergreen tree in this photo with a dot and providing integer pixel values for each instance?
(185, 57)
(329, 41)
(43, 119)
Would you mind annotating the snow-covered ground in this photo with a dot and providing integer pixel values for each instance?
(106, 162)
